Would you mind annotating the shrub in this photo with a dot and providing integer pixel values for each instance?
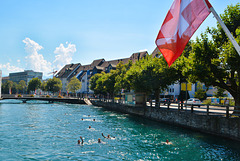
(47, 96)
(32, 95)
(19, 95)
(59, 96)
(207, 102)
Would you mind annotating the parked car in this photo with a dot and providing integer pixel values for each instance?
(165, 101)
(194, 101)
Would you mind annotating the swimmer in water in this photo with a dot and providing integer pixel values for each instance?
(93, 119)
(99, 140)
(108, 136)
(167, 142)
(79, 142)
(89, 127)
(82, 118)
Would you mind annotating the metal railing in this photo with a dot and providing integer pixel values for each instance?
(201, 109)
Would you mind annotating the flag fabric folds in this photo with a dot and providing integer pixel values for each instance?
(181, 22)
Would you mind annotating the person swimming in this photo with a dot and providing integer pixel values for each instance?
(108, 136)
(167, 142)
(99, 140)
(93, 119)
(89, 127)
(79, 142)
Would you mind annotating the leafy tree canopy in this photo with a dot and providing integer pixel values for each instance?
(74, 85)
(213, 59)
(34, 84)
(54, 85)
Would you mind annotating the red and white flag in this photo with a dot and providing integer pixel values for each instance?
(182, 20)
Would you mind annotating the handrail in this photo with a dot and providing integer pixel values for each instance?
(213, 110)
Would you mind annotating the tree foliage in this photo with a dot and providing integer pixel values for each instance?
(74, 85)
(54, 85)
(200, 93)
(151, 75)
(34, 84)
(7, 86)
(213, 60)
(121, 80)
(22, 86)
(219, 92)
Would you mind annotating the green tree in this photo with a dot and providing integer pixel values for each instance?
(22, 86)
(104, 83)
(200, 93)
(44, 86)
(14, 88)
(7, 86)
(108, 82)
(120, 78)
(220, 92)
(74, 85)
(214, 61)
(54, 85)
(34, 84)
(96, 84)
(180, 65)
(151, 75)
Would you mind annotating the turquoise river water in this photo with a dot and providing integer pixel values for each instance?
(42, 131)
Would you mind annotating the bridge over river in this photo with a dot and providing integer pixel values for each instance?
(24, 99)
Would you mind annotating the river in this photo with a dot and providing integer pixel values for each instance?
(42, 131)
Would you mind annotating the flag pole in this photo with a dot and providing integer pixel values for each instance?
(225, 29)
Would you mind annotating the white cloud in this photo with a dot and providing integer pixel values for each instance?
(7, 68)
(36, 61)
(64, 55)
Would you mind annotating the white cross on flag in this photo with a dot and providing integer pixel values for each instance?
(182, 20)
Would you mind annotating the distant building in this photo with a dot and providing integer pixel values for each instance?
(4, 79)
(64, 74)
(97, 66)
(27, 75)
(85, 72)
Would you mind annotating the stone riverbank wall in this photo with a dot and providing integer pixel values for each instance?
(217, 125)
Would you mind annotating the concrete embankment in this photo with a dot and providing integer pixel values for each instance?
(217, 125)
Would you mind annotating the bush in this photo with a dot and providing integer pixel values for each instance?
(32, 95)
(59, 96)
(207, 102)
(19, 95)
(47, 96)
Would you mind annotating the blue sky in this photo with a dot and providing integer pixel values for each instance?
(47, 34)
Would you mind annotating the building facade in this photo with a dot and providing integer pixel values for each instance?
(27, 75)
